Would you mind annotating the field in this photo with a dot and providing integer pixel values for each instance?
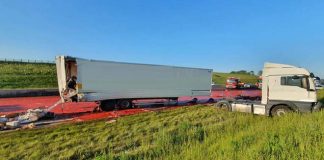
(15, 75)
(220, 78)
(199, 132)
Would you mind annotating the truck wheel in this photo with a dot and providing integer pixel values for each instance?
(224, 105)
(280, 110)
(108, 105)
(124, 104)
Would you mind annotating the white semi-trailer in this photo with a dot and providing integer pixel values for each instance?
(285, 89)
(117, 84)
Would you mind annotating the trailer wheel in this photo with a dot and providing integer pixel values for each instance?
(194, 101)
(108, 105)
(224, 105)
(280, 110)
(211, 100)
(124, 104)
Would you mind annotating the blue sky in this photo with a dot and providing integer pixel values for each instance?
(223, 35)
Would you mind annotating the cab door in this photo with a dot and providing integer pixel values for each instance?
(293, 88)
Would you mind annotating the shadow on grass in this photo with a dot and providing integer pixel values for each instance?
(322, 100)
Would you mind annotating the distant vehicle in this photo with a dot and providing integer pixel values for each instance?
(259, 83)
(117, 84)
(248, 85)
(234, 83)
(317, 82)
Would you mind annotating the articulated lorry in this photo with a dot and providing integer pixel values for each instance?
(117, 84)
(285, 88)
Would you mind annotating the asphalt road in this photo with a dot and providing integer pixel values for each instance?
(84, 110)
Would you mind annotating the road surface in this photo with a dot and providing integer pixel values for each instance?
(84, 110)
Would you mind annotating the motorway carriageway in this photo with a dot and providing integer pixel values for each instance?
(83, 111)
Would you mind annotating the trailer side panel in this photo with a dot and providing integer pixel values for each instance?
(102, 80)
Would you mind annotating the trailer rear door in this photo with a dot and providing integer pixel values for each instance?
(61, 74)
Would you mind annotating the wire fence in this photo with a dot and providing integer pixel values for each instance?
(25, 61)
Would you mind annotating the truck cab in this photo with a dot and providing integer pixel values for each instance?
(285, 88)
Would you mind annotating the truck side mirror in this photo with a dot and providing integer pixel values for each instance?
(312, 75)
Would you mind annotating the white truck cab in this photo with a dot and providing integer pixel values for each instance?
(285, 89)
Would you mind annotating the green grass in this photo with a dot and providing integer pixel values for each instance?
(321, 95)
(15, 75)
(198, 132)
(220, 78)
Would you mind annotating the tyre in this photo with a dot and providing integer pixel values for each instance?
(108, 105)
(211, 100)
(280, 110)
(194, 101)
(224, 105)
(124, 104)
(173, 101)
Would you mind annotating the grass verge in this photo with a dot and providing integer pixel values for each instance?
(16, 75)
(198, 132)
(321, 95)
(220, 78)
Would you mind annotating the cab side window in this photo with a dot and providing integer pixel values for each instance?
(299, 81)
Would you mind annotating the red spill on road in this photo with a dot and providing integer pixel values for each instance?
(83, 110)
(235, 93)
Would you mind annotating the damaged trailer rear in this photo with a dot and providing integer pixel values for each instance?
(117, 84)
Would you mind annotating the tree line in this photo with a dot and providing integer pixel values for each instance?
(247, 72)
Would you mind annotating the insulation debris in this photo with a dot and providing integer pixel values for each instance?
(13, 124)
(3, 119)
(25, 120)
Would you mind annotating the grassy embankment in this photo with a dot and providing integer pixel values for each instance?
(15, 75)
(220, 78)
(32, 75)
(321, 95)
(186, 133)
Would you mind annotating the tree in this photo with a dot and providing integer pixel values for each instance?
(240, 72)
(260, 73)
(252, 73)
